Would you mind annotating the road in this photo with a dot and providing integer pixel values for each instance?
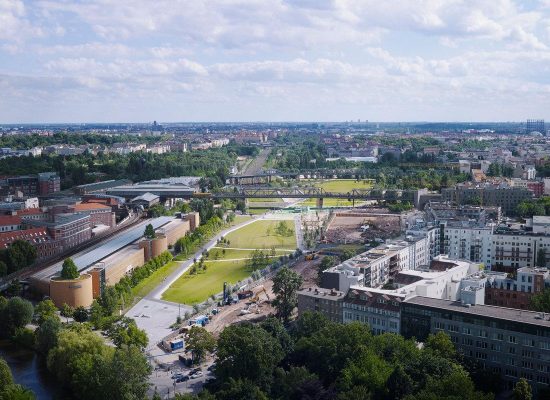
(155, 315)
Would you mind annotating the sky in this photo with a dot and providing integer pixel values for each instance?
(273, 60)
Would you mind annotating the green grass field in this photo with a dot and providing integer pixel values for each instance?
(259, 200)
(335, 185)
(156, 278)
(261, 235)
(190, 289)
(151, 282)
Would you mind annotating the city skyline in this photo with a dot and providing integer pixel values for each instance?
(108, 61)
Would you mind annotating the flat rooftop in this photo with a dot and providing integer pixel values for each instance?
(96, 253)
(507, 314)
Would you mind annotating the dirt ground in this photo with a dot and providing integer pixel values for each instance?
(231, 314)
(346, 226)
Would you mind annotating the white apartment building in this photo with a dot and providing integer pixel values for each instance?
(467, 240)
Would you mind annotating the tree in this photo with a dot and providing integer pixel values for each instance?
(43, 310)
(67, 311)
(16, 392)
(69, 269)
(399, 384)
(346, 255)
(20, 254)
(15, 313)
(441, 344)
(541, 301)
(149, 232)
(46, 334)
(247, 351)
(285, 285)
(200, 342)
(126, 333)
(522, 390)
(240, 389)
(80, 314)
(325, 264)
(109, 300)
(6, 378)
(3, 269)
(127, 375)
(455, 385)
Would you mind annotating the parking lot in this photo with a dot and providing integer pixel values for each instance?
(162, 378)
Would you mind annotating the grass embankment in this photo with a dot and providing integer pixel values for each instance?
(231, 266)
(337, 186)
(156, 278)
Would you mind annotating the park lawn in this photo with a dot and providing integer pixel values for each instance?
(255, 236)
(337, 186)
(155, 279)
(342, 185)
(239, 219)
(192, 289)
(260, 200)
(258, 211)
(241, 253)
(328, 203)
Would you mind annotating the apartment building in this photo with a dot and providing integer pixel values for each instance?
(506, 290)
(512, 343)
(326, 302)
(492, 194)
(379, 265)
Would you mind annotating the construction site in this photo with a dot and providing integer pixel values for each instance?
(362, 226)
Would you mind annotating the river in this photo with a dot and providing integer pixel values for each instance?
(30, 371)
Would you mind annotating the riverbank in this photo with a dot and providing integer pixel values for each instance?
(30, 370)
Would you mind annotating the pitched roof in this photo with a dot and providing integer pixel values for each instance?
(34, 235)
(10, 220)
(90, 206)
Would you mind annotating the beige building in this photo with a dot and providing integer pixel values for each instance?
(74, 292)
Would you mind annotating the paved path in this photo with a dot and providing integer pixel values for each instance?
(155, 315)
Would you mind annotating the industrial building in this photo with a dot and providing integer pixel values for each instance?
(107, 262)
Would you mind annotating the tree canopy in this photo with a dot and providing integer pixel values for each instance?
(69, 269)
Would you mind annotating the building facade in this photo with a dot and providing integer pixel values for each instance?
(512, 343)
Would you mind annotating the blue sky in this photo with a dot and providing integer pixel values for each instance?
(263, 60)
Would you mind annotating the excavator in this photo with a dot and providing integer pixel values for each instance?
(260, 290)
(254, 303)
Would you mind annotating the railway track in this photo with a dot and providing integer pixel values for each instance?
(26, 272)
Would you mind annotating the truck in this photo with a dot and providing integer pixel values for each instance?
(245, 294)
(176, 344)
(201, 320)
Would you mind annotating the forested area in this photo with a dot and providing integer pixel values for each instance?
(21, 142)
(212, 164)
(318, 359)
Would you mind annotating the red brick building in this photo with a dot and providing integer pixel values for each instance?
(45, 245)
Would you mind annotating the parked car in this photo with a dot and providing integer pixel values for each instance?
(182, 379)
(177, 376)
(211, 367)
(195, 370)
(196, 375)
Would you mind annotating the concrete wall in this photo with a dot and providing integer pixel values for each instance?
(154, 247)
(125, 261)
(176, 230)
(74, 292)
(194, 220)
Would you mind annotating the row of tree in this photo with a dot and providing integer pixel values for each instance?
(317, 359)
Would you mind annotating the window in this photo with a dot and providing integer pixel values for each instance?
(511, 339)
